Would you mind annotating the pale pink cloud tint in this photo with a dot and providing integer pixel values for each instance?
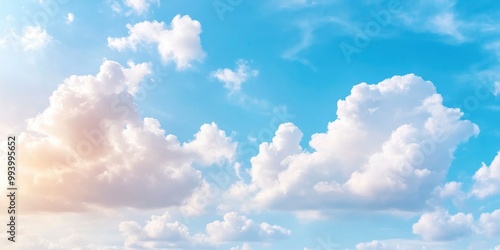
(90, 147)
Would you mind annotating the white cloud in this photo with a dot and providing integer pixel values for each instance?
(70, 18)
(165, 233)
(405, 244)
(135, 75)
(34, 38)
(210, 137)
(390, 146)
(199, 200)
(372, 245)
(486, 81)
(489, 223)
(487, 179)
(310, 215)
(35, 241)
(180, 44)
(306, 40)
(234, 79)
(437, 17)
(159, 232)
(116, 7)
(447, 24)
(140, 6)
(440, 225)
(90, 147)
(29, 241)
(245, 246)
(307, 30)
(236, 227)
(450, 190)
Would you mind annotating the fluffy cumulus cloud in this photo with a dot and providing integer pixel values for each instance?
(372, 245)
(245, 246)
(450, 189)
(180, 43)
(440, 225)
(390, 146)
(162, 232)
(34, 38)
(159, 232)
(140, 6)
(403, 244)
(487, 179)
(233, 79)
(236, 227)
(90, 147)
(489, 223)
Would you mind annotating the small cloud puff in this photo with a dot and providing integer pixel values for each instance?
(180, 43)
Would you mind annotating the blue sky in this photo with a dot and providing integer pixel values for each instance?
(158, 124)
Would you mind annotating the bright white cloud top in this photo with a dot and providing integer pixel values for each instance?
(487, 179)
(179, 44)
(440, 225)
(390, 146)
(34, 38)
(92, 134)
(233, 79)
(70, 18)
(140, 6)
(161, 232)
